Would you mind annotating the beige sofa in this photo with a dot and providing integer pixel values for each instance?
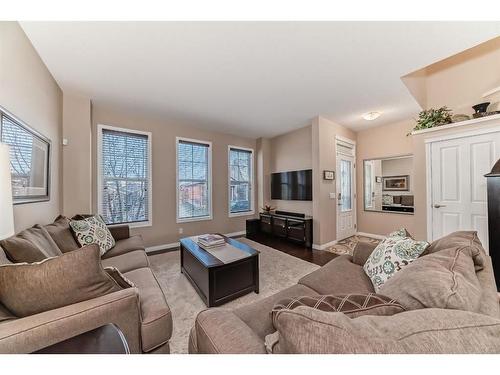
(142, 313)
(307, 330)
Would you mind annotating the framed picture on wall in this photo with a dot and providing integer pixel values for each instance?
(396, 183)
(328, 175)
(29, 160)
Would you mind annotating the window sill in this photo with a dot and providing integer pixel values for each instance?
(194, 219)
(141, 224)
(245, 213)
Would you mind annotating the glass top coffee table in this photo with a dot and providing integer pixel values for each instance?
(220, 275)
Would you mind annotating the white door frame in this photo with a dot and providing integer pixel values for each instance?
(428, 169)
(351, 143)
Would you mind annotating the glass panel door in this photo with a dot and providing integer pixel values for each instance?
(345, 185)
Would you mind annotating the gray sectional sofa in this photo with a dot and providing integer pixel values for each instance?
(142, 312)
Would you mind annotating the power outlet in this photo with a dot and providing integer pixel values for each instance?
(181, 230)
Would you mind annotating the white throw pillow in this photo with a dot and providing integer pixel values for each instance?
(391, 256)
(93, 230)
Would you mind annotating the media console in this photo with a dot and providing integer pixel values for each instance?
(290, 225)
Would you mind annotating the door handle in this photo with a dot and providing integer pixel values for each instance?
(439, 205)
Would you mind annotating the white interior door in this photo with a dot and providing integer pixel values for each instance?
(346, 202)
(458, 185)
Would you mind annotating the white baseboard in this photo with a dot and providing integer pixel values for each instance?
(177, 244)
(376, 236)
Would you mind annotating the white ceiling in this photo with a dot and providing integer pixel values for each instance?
(251, 78)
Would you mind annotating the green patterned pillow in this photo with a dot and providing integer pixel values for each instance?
(93, 230)
(391, 256)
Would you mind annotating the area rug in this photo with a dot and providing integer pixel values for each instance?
(347, 245)
(277, 272)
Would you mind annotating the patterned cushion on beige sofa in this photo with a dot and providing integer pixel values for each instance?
(93, 230)
(353, 305)
(390, 256)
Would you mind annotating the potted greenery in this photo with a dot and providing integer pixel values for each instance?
(431, 118)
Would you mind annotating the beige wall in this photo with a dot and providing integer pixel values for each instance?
(29, 92)
(291, 152)
(324, 133)
(459, 81)
(77, 155)
(165, 229)
(380, 142)
(263, 155)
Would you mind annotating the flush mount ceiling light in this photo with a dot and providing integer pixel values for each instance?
(370, 116)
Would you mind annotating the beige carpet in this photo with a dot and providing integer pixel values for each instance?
(347, 245)
(277, 271)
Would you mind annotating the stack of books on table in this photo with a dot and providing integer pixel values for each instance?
(210, 241)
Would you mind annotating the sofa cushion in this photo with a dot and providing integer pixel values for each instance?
(30, 245)
(3, 258)
(27, 289)
(125, 246)
(60, 232)
(391, 256)
(156, 324)
(257, 315)
(352, 305)
(307, 330)
(362, 251)
(128, 261)
(93, 230)
(220, 331)
(5, 314)
(445, 279)
(339, 276)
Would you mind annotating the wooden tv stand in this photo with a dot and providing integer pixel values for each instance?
(290, 225)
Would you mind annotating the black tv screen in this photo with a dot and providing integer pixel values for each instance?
(292, 186)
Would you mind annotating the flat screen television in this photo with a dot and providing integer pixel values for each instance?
(292, 186)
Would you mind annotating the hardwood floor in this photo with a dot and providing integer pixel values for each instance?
(318, 257)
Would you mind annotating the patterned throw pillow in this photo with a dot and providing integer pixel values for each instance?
(390, 256)
(352, 305)
(400, 233)
(93, 230)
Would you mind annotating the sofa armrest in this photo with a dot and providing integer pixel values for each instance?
(220, 331)
(29, 334)
(120, 232)
(361, 252)
(426, 331)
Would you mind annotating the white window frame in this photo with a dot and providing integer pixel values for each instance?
(100, 179)
(210, 212)
(252, 182)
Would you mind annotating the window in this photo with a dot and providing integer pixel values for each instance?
(240, 181)
(194, 180)
(124, 186)
(29, 160)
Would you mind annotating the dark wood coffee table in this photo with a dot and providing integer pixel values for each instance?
(215, 281)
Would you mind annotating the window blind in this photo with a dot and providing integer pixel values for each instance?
(240, 188)
(193, 189)
(125, 177)
(28, 159)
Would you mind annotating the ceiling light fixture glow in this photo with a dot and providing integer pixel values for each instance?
(370, 116)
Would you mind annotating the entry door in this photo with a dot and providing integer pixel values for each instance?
(346, 210)
(458, 185)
